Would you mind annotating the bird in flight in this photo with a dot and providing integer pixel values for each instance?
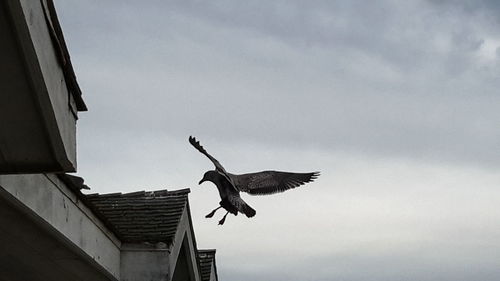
(260, 183)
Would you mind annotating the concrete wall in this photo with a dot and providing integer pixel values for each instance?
(62, 105)
(145, 262)
(51, 201)
(38, 134)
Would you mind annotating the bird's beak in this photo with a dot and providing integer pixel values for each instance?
(202, 180)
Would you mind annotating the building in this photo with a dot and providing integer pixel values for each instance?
(156, 232)
(49, 229)
(207, 265)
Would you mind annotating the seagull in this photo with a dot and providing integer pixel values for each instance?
(260, 183)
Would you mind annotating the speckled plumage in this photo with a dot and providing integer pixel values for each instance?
(260, 183)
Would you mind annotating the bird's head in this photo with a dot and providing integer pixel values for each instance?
(209, 176)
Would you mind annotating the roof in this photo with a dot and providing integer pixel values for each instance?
(143, 216)
(62, 53)
(206, 259)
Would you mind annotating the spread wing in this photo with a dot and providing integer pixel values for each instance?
(197, 145)
(270, 182)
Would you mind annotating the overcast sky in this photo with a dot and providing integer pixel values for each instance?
(397, 103)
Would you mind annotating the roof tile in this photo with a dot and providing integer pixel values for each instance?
(143, 216)
(206, 259)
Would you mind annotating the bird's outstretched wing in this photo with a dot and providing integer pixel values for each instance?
(270, 182)
(197, 145)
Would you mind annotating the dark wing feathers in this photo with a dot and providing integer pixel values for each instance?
(270, 182)
(262, 183)
(200, 148)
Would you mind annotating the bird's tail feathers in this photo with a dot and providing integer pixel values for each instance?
(241, 206)
(248, 211)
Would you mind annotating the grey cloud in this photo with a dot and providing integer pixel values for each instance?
(362, 77)
(470, 6)
(384, 267)
(401, 34)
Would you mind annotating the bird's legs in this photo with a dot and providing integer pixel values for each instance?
(212, 213)
(221, 222)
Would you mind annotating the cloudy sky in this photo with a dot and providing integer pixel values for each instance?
(397, 103)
